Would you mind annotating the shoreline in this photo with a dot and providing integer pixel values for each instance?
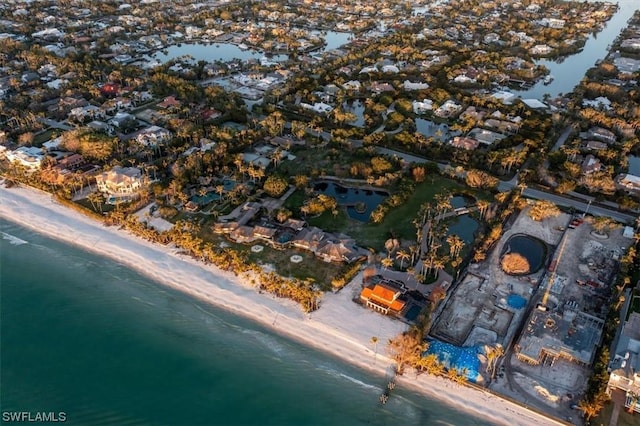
(340, 327)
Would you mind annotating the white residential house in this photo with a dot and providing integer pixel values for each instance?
(540, 49)
(625, 364)
(153, 136)
(591, 165)
(464, 79)
(448, 109)
(354, 85)
(631, 43)
(80, 114)
(392, 69)
(484, 136)
(408, 85)
(53, 144)
(29, 157)
(628, 182)
(553, 22)
(318, 107)
(49, 34)
(506, 98)
(367, 70)
(121, 182)
(491, 38)
(123, 119)
(600, 102)
(627, 65)
(421, 107)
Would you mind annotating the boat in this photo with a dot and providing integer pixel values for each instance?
(548, 79)
(243, 46)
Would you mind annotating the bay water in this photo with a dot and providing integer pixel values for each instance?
(97, 341)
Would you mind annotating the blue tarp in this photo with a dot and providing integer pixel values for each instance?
(458, 358)
(516, 301)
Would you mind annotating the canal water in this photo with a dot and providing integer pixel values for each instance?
(568, 72)
(226, 52)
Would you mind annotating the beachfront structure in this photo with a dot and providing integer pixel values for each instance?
(29, 157)
(567, 333)
(384, 297)
(292, 233)
(121, 182)
(624, 368)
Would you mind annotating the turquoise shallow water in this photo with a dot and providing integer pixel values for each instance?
(89, 337)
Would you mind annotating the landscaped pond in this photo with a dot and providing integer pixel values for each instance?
(634, 165)
(359, 202)
(211, 52)
(464, 227)
(459, 201)
(439, 131)
(528, 247)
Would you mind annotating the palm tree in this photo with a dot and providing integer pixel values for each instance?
(387, 262)
(402, 255)
(482, 207)
(439, 265)
(602, 224)
(456, 244)
(220, 191)
(374, 342)
(590, 409)
(95, 198)
(406, 349)
(443, 203)
(493, 354)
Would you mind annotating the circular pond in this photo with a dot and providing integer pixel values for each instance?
(523, 255)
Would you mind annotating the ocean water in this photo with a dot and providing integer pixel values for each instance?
(88, 337)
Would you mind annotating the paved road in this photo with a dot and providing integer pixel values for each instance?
(563, 138)
(580, 205)
(55, 124)
(583, 204)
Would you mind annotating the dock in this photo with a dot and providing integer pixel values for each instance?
(391, 384)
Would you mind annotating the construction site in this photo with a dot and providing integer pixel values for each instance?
(549, 319)
(487, 304)
(552, 356)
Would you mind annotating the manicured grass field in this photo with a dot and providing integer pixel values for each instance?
(624, 419)
(397, 223)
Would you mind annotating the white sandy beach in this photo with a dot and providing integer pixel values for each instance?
(339, 327)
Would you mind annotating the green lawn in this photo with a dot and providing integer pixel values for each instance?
(43, 137)
(310, 267)
(624, 419)
(398, 222)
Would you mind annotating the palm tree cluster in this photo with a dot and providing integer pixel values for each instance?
(184, 236)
